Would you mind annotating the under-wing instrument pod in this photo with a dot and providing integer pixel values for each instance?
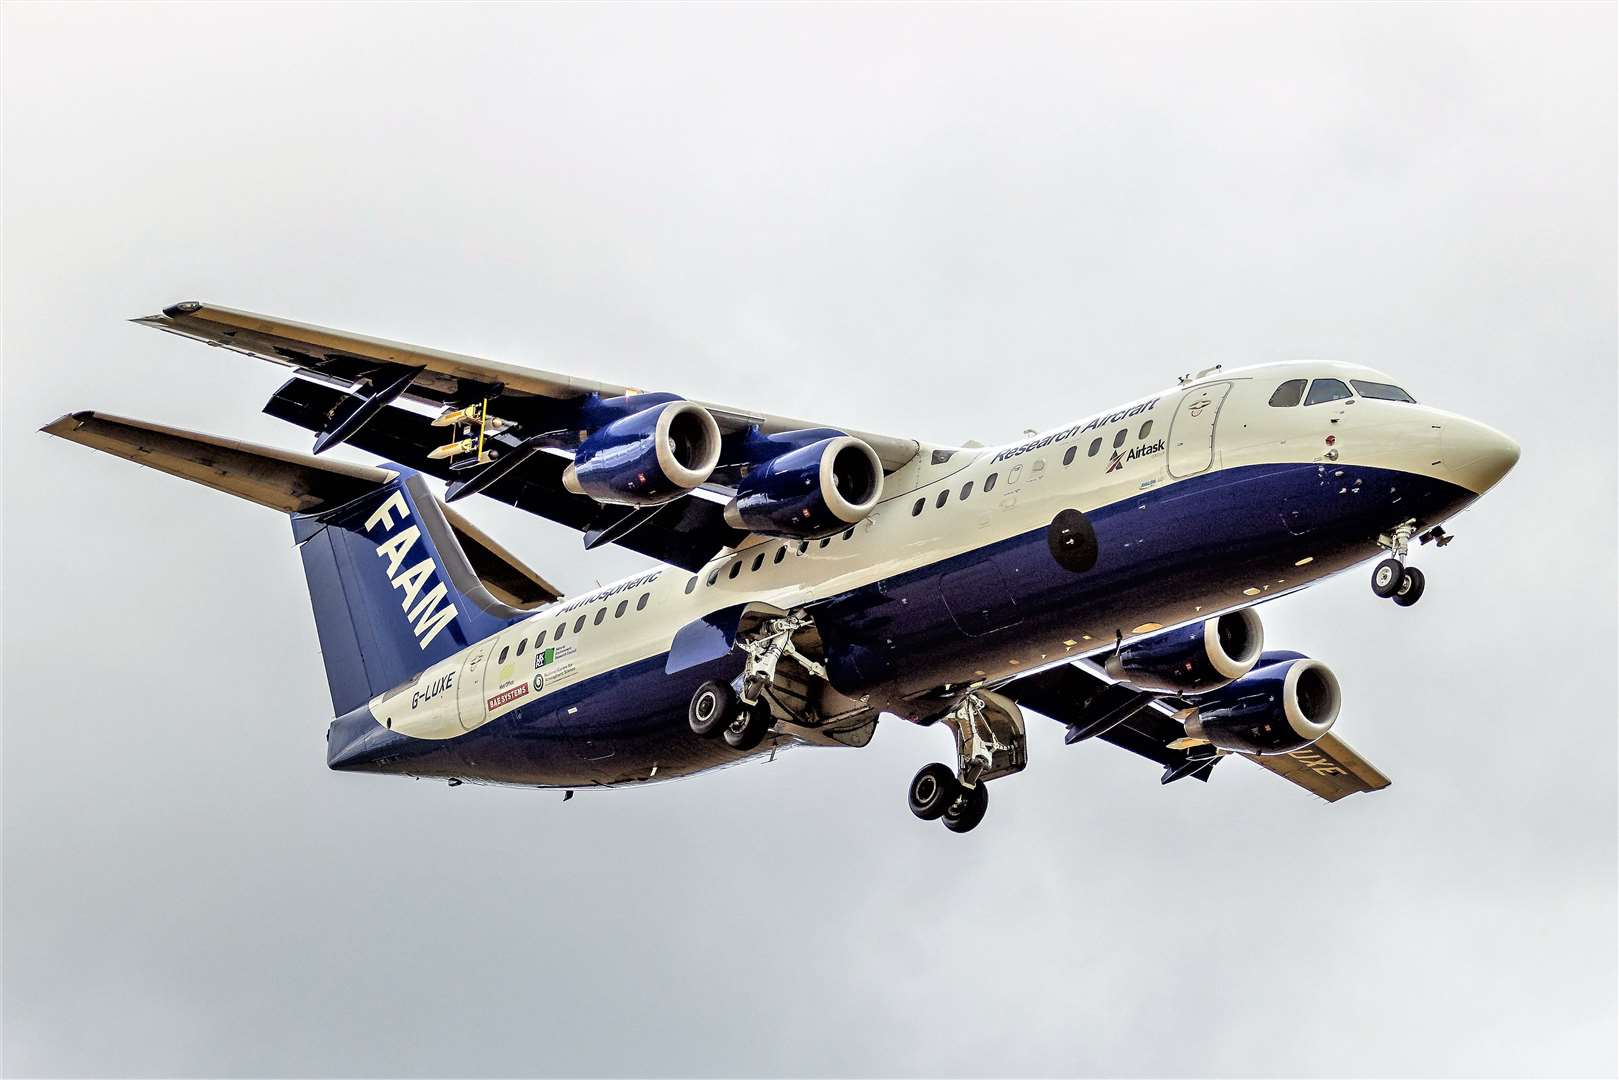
(811, 578)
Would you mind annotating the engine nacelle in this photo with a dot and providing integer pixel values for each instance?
(1278, 708)
(647, 457)
(1192, 659)
(819, 487)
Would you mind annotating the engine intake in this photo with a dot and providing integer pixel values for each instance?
(647, 457)
(814, 489)
(1192, 659)
(1280, 707)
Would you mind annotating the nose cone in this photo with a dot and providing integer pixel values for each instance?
(1475, 455)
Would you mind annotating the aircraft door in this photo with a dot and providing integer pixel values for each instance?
(469, 686)
(1191, 432)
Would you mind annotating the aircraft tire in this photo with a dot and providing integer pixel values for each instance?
(933, 788)
(964, 814)
(1412, 583)
(747, 728)
(712, 708)
(1386, 578)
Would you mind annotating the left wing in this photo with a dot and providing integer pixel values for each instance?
(341, 358)
(1092, 705)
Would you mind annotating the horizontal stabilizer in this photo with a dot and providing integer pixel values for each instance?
(288, 481)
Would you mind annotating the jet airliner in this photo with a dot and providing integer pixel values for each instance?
(806, 579)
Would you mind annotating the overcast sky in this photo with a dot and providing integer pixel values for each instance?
(948, 222)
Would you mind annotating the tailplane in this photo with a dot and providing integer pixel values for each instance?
(398, 581)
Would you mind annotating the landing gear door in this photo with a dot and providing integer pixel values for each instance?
(1191, 433)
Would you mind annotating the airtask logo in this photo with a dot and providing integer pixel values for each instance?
(426, 615)
(1078, 429)
(1117, 461)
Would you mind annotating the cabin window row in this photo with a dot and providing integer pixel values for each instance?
(758, 563)
(578, 624)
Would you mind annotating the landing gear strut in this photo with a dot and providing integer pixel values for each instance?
(744, 716)
(990, 743)
(1391, 578)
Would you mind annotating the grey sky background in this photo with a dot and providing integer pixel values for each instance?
(949, 222)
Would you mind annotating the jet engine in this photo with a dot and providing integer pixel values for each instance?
(647, 457)
(1192, 659)
(1285, 704)
(824, 484)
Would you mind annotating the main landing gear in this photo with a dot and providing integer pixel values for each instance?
(1391, 578)
(743, 717)
(990, 743)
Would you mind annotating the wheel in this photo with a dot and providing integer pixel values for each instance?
(1411, 585)
(711, 708)
(747, 728)
(933, 788)
(967, 810)
(1386, 577)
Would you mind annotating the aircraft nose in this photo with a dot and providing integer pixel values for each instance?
(1476, 455)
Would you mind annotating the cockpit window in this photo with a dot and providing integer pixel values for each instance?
(1382, 391)
(1326, 390)
(1288, 394)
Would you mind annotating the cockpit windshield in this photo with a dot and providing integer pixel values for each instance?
(1326, 390)
(1381, 391)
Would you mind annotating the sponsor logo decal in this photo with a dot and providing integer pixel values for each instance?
(543, 657)
(432, 689)
(539, 683)
(506, 697)
(1117, 461)
(421, 608)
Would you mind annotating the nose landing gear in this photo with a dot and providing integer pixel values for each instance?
(990, 743)
(1391, 578)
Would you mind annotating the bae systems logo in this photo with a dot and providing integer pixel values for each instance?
(426, 617)
(1117, 461)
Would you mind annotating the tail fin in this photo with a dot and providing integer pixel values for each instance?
(398, 581)
(392, 591)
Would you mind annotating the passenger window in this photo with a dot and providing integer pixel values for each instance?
(989, 482)
(503, 653)
(1146, 429)
(521, 645)
(1381, 391)
(1096, 444)
(578, 624)
(562, 628)
(640, 605)
(600, 615)
(758, 561)
(917, 508)
(966, 490)
(736, 568)
(825, 540)
(781, 553)
(848, 534)
(944, 497)
(623, 606)
(539, 640)
(1288, 394)
(1118, 440)
(1326, 390)
(692, 584)
(1068, 458)
(714, 576)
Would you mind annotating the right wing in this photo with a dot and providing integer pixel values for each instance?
(1081, 696)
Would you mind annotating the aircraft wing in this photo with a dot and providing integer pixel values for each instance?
(1080, 696)
(291, 482)
(380, 396)
(340, 358)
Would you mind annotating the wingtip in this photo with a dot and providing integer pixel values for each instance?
(67, 422)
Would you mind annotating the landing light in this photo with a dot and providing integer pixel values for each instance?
(1306, 561)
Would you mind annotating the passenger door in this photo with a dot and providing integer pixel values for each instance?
(1191, 432)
